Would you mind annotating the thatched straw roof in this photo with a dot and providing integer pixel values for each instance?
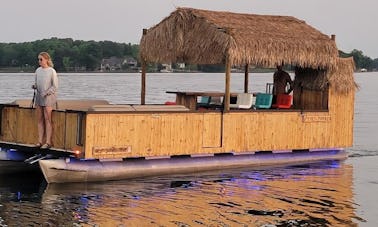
(340, 79)
(207, 37)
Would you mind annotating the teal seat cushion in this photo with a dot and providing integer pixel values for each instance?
(263, 101)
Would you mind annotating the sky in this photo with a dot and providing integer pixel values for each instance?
(353, 22)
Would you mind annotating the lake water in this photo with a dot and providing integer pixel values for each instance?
(322, 194)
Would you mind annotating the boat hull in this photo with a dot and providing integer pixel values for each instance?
(69, 170)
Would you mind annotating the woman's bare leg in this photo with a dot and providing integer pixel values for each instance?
(48, 123)
(41, 124)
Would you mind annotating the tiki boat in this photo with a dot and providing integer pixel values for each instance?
(98, 141)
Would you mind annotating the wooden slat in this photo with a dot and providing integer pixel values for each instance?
(26, 126)
(147, 134)
(212, 130)
(58, 119)
(71, 132)
(9, 124)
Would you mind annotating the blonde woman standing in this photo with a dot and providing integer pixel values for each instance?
(46, 85)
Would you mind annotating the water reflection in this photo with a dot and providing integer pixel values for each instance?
(312, 195)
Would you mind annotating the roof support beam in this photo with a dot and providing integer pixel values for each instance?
(246, 78)
(143, 83)
(143, 77)
(227, 85)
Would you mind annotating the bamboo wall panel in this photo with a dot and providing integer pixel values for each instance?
(108, 135)
(212, 129)
(8, 124)
(20, 125)
(26, 126)
(147, 134)
(276, 131)
(261, 131)
(27, 130)
(71, 130)
(291, 130)
(58, 136)
(342, 108)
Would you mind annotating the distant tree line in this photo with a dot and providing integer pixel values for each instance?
(67, 54)
(79, 55)
(361, 61)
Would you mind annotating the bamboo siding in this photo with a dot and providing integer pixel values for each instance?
(212, 126)
(150, 134)
(26, 129)
(71, 132)
(19, 125)
(166, 134)
(8, 124)
(145, 134)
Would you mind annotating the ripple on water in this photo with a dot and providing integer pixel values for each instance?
(316, 194)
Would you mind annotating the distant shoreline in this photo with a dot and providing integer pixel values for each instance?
(18, 70)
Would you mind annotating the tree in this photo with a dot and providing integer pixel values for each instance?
(110, 49)
(375, 64)
(131, 50)
(67, 63)
(360, 60)
(90, 55)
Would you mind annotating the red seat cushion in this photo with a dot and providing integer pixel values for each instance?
(283, 101)
(170, 103)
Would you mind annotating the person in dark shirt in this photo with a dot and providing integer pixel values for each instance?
(280, 81)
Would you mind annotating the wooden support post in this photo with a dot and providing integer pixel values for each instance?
(143, 85)
(80, 128)
(246, 78)
(143, 78)
(227, 84)
(1, 119)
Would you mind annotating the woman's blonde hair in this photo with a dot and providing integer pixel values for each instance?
(46, 56)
